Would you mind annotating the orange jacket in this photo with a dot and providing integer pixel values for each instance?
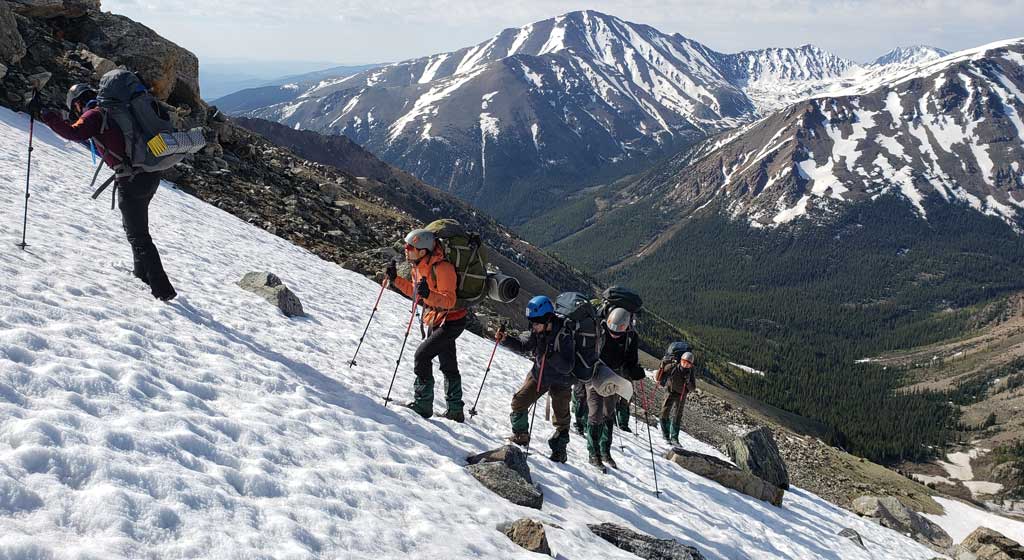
(440, 306)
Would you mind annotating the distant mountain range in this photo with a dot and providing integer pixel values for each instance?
(515, 123)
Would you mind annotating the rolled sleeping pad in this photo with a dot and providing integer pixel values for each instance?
(607, 383)
(502, 288)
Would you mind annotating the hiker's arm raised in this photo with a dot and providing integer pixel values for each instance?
(86, 127)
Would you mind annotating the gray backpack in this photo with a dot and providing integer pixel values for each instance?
(151, 141)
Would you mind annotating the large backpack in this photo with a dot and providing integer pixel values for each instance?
(620, 297)
(580, 317)
(676, 350)
(150, 139)
(468, 255)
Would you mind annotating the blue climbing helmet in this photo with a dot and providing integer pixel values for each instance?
(539, 308)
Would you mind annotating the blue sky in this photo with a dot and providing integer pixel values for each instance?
(363, 31)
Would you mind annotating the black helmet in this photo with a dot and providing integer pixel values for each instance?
(78, 91)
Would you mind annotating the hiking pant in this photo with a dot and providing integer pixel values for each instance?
(440, 343)
(579, 406)
(527, 395)
(672, 412)
(600, 422)
(622, 413)
(133, 197)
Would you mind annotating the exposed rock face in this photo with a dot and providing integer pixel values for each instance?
(986, 544)
(507, 483)
(727, 475)
(757, 454)
(54, 8)
(890, 512)
(12, 46)
(171, 72)
(528, 534)
(100, 65)
(510, 455)
(645, 546)
(853, 536)
(268, 286)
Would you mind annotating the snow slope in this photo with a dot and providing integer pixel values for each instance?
(214, 427)
(962, 519)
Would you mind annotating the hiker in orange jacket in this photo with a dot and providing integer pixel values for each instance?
(434, 284)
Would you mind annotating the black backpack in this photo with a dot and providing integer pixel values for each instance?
(151, 142)
(581, 319)
(619, 296)
(676, 350)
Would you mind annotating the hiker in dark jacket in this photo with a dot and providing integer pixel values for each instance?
(554, 355)
(434, 280)
(134, 192)
(620, 352)
(678, 379)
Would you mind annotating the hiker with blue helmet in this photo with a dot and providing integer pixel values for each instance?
(554, 355)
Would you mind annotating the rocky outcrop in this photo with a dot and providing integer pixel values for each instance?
(100, 65)
(725, 474)
(986, 544)
(511, 455)
(507, 483)
(757, 453)
(54, 8)
(12, 46)
(890, 512)
(268, 286)
(528, 534)
(853, 536)
(645, 546)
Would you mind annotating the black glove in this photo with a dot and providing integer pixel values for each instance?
(34, 106)
(391, 272)
(422, 289)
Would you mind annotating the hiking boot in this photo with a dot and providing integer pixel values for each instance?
(595, 460)
(559, 456)
(674, 440)
(626, 429)
(168, 296)
(412, 406)
(453, 415)
(520, 438)
(607, 460)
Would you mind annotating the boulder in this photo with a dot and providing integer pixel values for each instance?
(727, 475)
(507, 483)
(12, 47)
(100, 65)
(171, 72)
(853, 536)
(528, 534)
(757, 453)
(54, 8)
(892, 513)
(511, 455)
(644, 546)
(268, 286)
(986, 544)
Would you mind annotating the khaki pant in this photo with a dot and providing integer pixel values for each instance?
(528, 394)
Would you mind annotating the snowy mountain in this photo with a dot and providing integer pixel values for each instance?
(215, 427)
(558, 102)
(948, 131)
(777, 77)
(917, 54)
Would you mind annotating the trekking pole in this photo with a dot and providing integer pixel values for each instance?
(28, 173)
(497, 340)
(383, 286)
(398, 362)
(540, 376)
(650, 441)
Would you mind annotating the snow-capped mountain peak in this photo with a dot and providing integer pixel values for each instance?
(911, 55)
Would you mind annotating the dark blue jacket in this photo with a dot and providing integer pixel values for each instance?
(559, 348)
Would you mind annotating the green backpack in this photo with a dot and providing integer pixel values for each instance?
(468, 255)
